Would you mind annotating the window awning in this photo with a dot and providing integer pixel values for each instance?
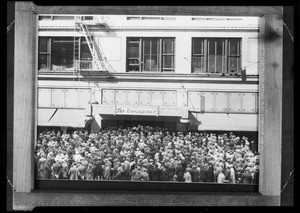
(61, 117)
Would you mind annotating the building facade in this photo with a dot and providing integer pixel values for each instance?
(180, 72)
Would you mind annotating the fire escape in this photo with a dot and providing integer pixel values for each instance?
(99, 63)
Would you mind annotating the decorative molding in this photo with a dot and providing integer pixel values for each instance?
(66, 27)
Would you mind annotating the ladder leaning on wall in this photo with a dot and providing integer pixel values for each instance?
(96, 51)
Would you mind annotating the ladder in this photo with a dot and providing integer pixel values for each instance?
(76, 55)
(96, 53)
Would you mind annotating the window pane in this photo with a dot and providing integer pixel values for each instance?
(146, 43)
(133, 51)
(211, 55)
(219, 55)
(198, 65)
(234, 64)
(219, 43)
(168, 61)
(150, 64)
(150, 54)
(233, 46)
(154, 46)
(219, 64)
(42, 64)
(211, 63)
(43, 44)
(198, 46)
(133, 67)
(133, 54)
(85, 51)
(215, 55)
(62, 53)
(63, 18)
(211, 46)
(168, 45)
(44, 17)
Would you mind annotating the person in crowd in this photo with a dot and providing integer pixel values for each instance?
(144, 175)
(137, 175)
(156, 173)
(247, 176)
(221, 177)
(82, 170)
(64, 170)
(146, 153)
(98, 169)
(187, 176)
(56, 170)
(90, 172)
(195, 173)
(256, 175)
(41, 165)
(134, 172)
(73, 172)
(227, 173)
(47, 173)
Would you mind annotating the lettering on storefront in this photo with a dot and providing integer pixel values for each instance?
(135, 111)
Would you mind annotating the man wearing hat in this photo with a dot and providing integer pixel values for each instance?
(73, 172)
(156, 173)
(227, 174)
(137, 174)
(195, 173)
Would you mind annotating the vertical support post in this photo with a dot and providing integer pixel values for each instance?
(287, 170)
(270, 104)
(24, 96)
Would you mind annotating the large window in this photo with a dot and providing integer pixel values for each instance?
(150, 54)
(216, 55)
(63, 53)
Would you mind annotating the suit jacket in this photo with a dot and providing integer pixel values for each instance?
(246, 178)
(73, 173)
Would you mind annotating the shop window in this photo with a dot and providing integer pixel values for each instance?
(63, 53)
(150, 54)
(216, 55)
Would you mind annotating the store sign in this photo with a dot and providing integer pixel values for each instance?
(120, 110)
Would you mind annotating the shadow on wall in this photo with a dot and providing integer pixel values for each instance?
(194, 123)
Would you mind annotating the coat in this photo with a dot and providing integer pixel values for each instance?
(156, 174)
(246, 178)
(187, 177)
(73, 172)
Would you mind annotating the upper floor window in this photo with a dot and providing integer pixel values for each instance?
(216, 55)
(150, 54)
(62, 53)
(150, 18)
(56, 18)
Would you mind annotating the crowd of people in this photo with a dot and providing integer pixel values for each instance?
(144, 153)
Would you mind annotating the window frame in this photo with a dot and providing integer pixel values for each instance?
(81, 41)
(225, 55)
(141, 55)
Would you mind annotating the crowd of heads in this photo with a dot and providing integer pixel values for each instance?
(144, 153)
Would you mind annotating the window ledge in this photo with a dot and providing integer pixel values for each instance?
(142, 74)
(28, 201)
